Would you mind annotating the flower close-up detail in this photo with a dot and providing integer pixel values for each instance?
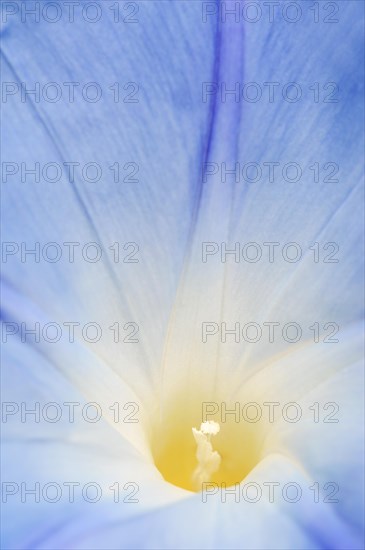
(182, 274)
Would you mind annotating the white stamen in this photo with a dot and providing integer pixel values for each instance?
(208, 460)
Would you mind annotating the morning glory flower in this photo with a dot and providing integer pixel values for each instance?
(181, 235)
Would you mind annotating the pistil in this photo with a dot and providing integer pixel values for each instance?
(208, 460)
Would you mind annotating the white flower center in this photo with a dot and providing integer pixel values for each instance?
(218, 449)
